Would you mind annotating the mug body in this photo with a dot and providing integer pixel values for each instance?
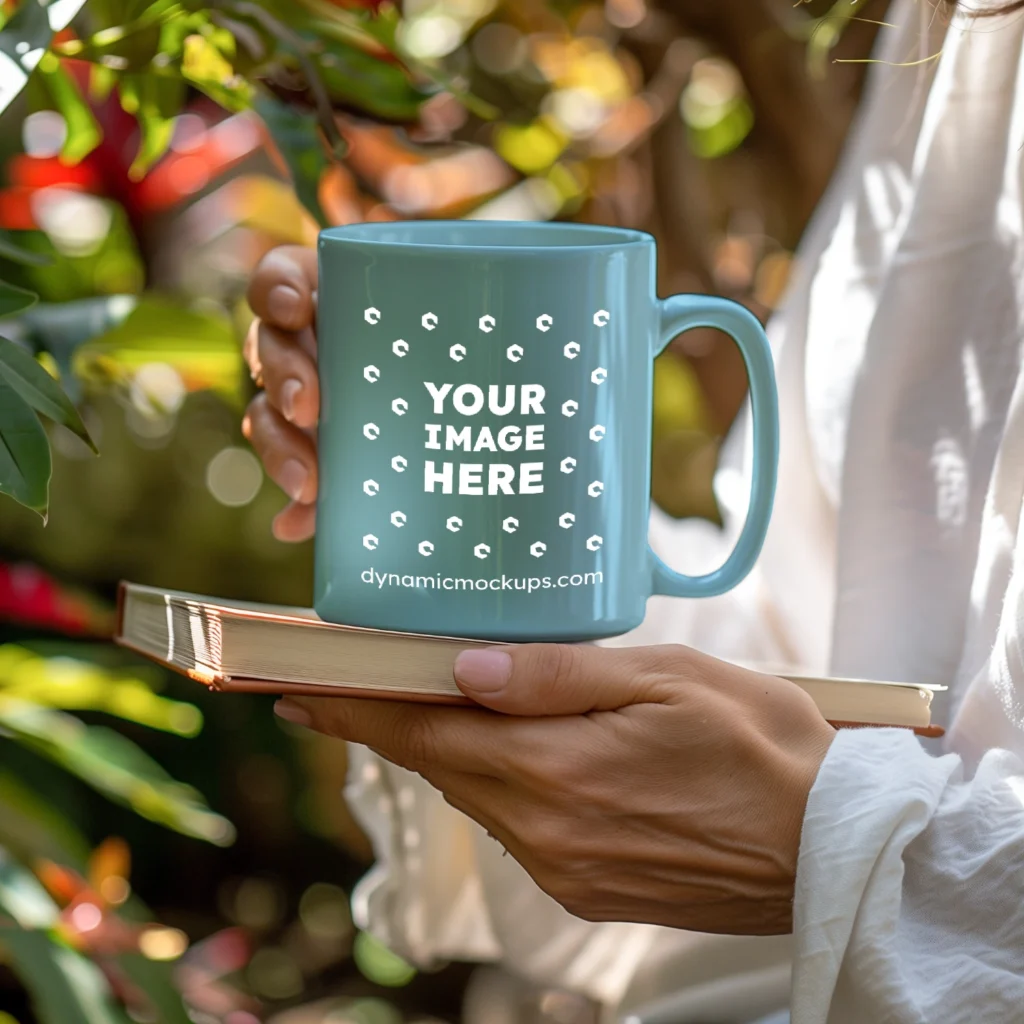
(485, 424)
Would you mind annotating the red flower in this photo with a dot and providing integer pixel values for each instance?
(29, 597)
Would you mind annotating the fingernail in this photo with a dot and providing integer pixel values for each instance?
(292, 478)
(484, 671)
(291, 712)
(289, 392)
(283, 305)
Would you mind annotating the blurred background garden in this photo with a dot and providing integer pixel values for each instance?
(167, 855)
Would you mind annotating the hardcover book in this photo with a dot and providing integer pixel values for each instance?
(258, 648)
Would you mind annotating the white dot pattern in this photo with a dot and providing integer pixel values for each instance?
(515, 353)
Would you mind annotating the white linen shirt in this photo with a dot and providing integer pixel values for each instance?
(895, 552)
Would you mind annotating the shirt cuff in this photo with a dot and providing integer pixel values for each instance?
(876, 791)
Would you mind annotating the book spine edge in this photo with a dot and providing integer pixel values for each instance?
(199, 674)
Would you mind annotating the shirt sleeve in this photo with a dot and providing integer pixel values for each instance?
(442, 890)
(909, 905)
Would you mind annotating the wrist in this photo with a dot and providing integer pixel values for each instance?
(796, 740)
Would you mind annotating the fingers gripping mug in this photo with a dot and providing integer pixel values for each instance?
(485, 431)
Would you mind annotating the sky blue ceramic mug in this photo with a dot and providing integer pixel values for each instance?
(485, 430)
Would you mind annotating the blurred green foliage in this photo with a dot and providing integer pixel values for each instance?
(152, 54)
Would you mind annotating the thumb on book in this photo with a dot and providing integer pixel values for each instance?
(555, 679)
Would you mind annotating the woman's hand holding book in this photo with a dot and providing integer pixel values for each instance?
(650, 784)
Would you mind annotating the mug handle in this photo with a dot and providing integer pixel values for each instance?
(680, 313)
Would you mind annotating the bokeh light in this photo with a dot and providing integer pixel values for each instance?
(115, 890)
(157, 389)
(379, 964)
(430, 36)
(77, 223)
(324, 912)
(715, 108)
(579, 111)
(234, 476)
(499, 48)
(43, 133)
(86, 917)
(362, 1011)
(256, 903)
(273, 973)
(625, 13)
(530, 148)
(162, 943)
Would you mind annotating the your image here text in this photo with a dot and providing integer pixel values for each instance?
(477, 478)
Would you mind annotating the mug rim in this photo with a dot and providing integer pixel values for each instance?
(374, 235)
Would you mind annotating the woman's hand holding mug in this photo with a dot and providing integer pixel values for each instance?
(281, 352)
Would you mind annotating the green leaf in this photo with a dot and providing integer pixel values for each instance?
(115, 767)
(109, 14)
(83, 130)
(101, 82)
(157, 981)
(368, 31)
(174, 32)
(23, 897)
(125, 35)
(378, 87)
(10, 250)
(205, 65)
(297, 137)
(60, 13)
(22, 42)
(104, 262)
(359, 64)
(24, 452)
(202, 61)
(25, 37)
(155, 100)
(66, 988)
(15, 300)
(31, 828)
(39, 389)
(60, 328)
(201, 347)
(74, 684)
